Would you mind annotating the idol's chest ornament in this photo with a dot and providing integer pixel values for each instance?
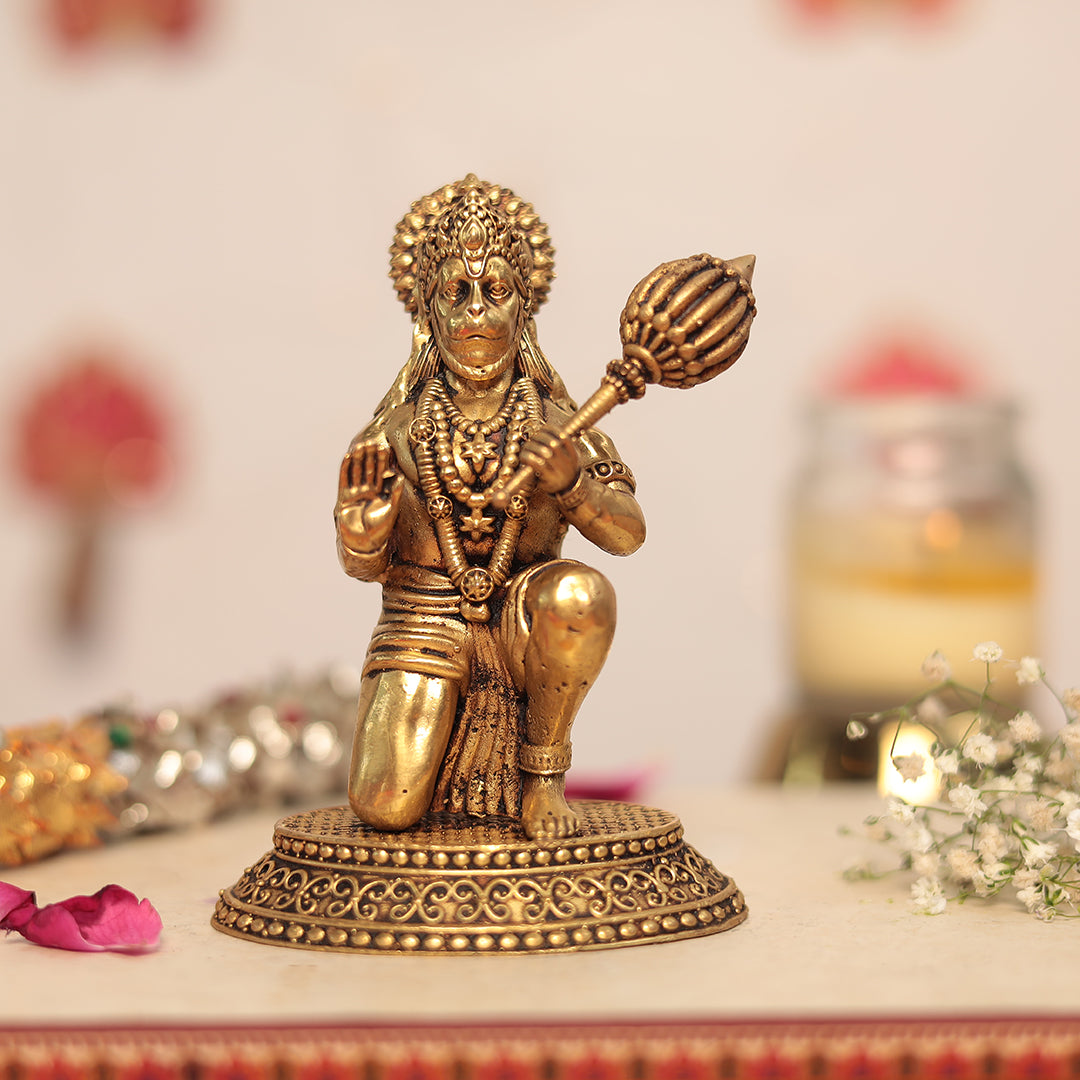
(438, 423)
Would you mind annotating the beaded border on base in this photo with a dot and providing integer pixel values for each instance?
(453, 885)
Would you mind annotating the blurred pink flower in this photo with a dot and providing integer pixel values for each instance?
(621, 787)
(112, 919)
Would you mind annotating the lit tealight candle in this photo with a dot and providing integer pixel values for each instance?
(912, 742)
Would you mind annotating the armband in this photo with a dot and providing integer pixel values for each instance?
(609, 470)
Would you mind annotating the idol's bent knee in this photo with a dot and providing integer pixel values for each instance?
(577, 599)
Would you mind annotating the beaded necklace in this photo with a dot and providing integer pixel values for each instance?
(431, 434)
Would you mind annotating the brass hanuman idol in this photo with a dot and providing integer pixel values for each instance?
(456, 498)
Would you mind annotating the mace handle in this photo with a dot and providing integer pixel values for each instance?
(599, 405)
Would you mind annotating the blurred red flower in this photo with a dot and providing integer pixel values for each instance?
(79, 22)
(92, 433)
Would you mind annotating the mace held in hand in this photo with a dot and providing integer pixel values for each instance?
(682, 325)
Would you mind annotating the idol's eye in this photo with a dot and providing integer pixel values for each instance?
(498, 291)
(454, 291)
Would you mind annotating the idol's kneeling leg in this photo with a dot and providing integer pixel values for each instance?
(402, 729)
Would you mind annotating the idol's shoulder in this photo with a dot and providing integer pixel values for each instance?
(390, 428)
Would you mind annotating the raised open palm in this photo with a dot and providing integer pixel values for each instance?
(369, 492)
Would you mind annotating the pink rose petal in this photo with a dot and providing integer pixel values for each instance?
(16, 906)
(112, 919)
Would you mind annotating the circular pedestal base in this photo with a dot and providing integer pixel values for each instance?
(453, 884)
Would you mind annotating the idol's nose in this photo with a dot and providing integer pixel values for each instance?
(475, 307)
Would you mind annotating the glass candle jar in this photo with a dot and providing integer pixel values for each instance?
(911, 529)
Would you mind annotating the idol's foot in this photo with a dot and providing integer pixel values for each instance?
(544, 811)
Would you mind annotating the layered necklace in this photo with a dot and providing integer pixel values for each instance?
(432, 433)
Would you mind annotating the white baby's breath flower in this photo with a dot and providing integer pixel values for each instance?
(992, 843)
(1061, 770)
(1021, 814)
(913, 837)
(1029, 670)
(1072, 827)
(966, 800)
(931, 711)
(1029, 764)
(980, 748)
(1028, 885)
(995, 872)
(964, 863)
(948, 763)
(926, 864)
(1037, 852)
(1024, 727)
(919, 838)
(927, 896)
(909, 766)
(1025, 878)
(856, 730)
(1030, 895)
(1070, 739)
(1041, 814)
(1023, 781)
(935, 667)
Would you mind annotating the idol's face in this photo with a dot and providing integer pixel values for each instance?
(477, 320)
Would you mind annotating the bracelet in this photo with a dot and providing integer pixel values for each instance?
(365, 565)
(575, 494)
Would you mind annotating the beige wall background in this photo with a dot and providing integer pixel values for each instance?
(222, 214)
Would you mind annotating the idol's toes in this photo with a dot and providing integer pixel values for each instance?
(550, 824)
(552, 828)
(568, 825)
(537, 828)
(544, 811)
